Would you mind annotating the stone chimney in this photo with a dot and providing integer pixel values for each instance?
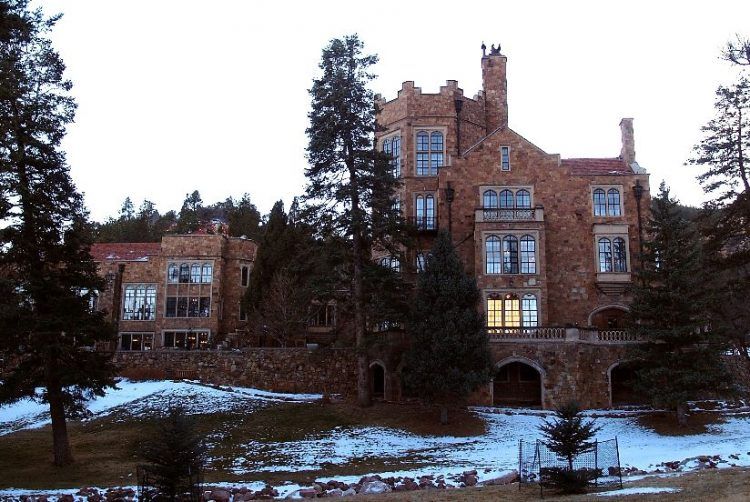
(628, 141)
(495, 85)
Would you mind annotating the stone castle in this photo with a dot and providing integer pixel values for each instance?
(552, 243)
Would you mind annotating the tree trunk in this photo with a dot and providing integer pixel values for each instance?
(682, 415)
(60, 443)
(444, 415)
(364, 397)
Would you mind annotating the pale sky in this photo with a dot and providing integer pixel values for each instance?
(181, 95)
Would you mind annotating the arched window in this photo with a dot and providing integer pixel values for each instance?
(173, 274)
(510, 254)
(613, 202)
(511, 311)
(530, 316)
(195, 273)
(600, 202)
(391, 262)
(421, 262)
(528, 255)
(392, 147)
(523, 199)
(506, 199)
(423, 153)
(425, 208)
(619, 255)
(139, 302)
(396, 154)
(184, 273)
(207, 273)
(436, 151)
(605, 255)
(430, 151)
(508, 311)
(489, 199)
(492, 254)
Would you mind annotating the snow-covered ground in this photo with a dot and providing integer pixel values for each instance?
(138, 398)
(497, 450)
(408, 454)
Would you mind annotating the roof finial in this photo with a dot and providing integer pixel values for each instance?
(493, 51)
(484, 49)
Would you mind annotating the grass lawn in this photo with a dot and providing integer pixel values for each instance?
(105, 448)
(712, 485)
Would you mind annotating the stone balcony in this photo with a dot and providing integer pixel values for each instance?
(512, 214)
(560, 335)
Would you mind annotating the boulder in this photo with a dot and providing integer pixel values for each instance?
(376, 486)
(505, 479)
(348, 492)
(220, 495)
(336, 492)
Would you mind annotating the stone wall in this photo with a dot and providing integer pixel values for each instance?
(274, 369)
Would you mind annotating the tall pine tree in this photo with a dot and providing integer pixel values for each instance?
(724, 152)
(679, 357)
(350, 185)
(449, 355)
(49, 278)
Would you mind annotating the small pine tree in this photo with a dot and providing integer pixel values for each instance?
(679, 357)
(449, 355)
(175, 457)
(568, 436)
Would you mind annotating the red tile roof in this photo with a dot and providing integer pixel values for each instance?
(125, 251)
(596, 167)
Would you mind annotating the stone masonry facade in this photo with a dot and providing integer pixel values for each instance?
(552, 242)
(183, 292)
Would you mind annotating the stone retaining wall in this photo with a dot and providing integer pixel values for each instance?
(296, 370)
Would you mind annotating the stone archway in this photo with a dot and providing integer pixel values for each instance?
(518, 382)
(377, 379)
(608, 317)
(621, 376)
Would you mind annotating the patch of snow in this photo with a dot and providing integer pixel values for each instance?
(144, 397)
(638, 490)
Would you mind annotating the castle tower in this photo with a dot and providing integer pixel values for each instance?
(495, 85)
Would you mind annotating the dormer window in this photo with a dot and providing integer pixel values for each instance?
(430, 152)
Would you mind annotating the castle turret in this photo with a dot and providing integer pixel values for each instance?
(495, 85)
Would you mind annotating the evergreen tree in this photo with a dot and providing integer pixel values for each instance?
(175, 456)
(679, 357)
(243, 218)
(189, 218)
(724, 152)
(737, 51)
(276, 249)
(449, 355)
(350, 185)
(49, 278)
(568, 436)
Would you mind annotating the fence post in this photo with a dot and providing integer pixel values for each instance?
(520, 456)
(596, 461)
(619, 468)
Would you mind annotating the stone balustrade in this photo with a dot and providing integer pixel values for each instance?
(558, 334)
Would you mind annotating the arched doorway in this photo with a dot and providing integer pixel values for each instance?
(621, 383)
(377, 380)
(517, 383)
(608, 318)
